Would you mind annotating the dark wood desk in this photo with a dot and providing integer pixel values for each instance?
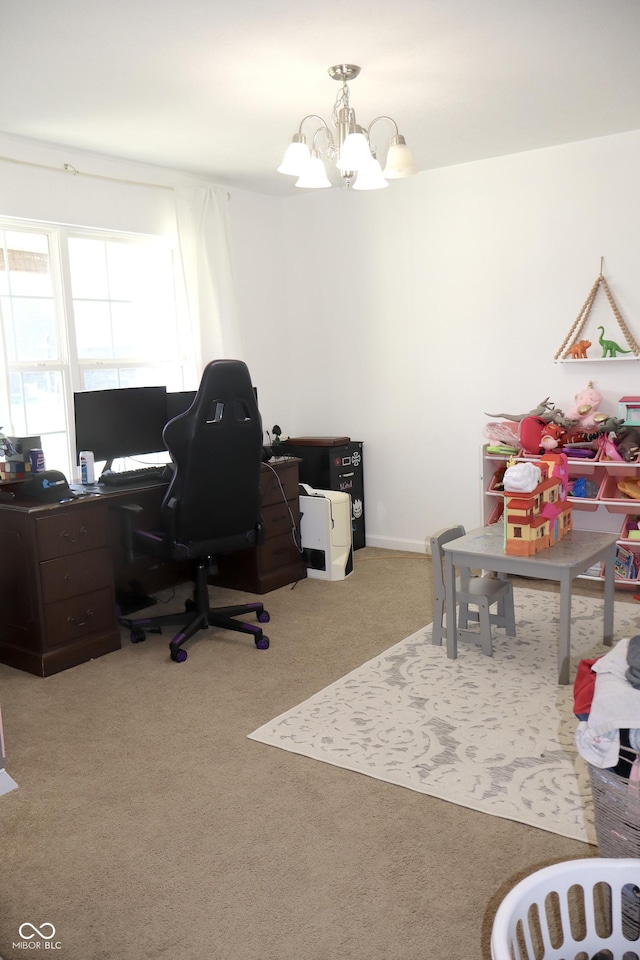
(278, 561)
(61, 564)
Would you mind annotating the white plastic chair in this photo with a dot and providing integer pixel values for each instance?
(571, 910)
(480, 592)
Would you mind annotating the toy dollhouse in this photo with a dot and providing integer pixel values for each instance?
(537, 512)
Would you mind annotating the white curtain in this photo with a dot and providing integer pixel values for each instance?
(6, 425)
(202, 214)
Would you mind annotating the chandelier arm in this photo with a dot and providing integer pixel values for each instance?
(390, 119)
(324, 129)
(314, 116)
(331, 144)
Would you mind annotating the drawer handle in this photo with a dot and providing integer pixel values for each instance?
(81, 623)
(67, 536)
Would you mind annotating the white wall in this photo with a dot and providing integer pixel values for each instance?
(30, 190)
(260, 274)
(415, 310)
(400, 317)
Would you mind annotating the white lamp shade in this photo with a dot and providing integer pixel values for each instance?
(314, 176)
(296, 157)
(399, 162)
(354, 153)
(370, 178)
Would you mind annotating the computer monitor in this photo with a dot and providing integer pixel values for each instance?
(124, 422)
(179, 401)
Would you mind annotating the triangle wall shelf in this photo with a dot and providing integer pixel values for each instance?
(595, 359)
(574, 350)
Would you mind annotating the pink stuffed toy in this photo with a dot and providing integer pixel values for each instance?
(552, 436)
(586, 406)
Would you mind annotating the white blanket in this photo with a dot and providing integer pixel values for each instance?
(616, 703)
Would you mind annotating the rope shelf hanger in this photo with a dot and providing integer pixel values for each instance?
(581, 320)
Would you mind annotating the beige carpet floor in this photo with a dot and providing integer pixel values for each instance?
(147, 826)
(495, 734)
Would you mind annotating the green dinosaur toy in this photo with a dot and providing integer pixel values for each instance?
(609, 347)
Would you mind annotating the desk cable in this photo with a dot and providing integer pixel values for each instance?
(294, 535)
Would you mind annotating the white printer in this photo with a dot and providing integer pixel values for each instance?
(325, 533)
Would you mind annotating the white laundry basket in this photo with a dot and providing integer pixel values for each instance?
(571, 911)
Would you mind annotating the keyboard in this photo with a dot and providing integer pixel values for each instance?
(122, 478)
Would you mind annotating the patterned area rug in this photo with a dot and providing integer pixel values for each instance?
(495, 734)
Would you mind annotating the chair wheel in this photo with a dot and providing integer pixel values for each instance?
(137, 635)
(262, 643)
(179, 656)
(263, 617)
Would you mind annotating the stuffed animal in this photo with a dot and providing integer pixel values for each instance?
(628, 444)
(530, 434)
(551, 437)
(607, 424)
(584, 410)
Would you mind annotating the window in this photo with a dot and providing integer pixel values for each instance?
(83, 310)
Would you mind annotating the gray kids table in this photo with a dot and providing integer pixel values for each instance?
(576, 552)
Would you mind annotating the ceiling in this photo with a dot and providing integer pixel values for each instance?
(218, 88)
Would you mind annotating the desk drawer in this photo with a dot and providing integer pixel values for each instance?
(277, 518)
(278, 552)
(73, 531)
(79, 573)
(69, 620)
(270, 488)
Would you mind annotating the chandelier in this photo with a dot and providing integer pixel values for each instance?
(351, 148)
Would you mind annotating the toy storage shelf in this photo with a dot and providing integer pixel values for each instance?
(606, 509)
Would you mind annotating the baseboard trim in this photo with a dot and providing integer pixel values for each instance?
(389, 543)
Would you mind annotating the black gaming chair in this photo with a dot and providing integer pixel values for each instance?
(212, 504)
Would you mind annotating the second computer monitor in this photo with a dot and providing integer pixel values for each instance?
(178, 402)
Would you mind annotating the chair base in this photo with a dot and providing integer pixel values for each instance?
(198, 615)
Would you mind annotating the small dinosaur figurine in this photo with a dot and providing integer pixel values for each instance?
(607, 424)
(557, 416)
(609, 347)
(578, 351)
(544, 407)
